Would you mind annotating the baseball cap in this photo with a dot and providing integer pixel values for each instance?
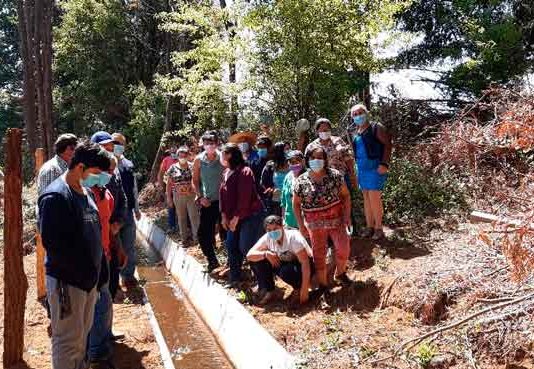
(101, 138)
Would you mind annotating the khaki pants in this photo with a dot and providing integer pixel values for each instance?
(69, 335)
(185, 206)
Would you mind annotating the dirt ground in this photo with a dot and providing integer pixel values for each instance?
(138, 350)
(410, 284)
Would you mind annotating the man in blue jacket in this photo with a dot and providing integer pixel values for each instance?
(71, 233)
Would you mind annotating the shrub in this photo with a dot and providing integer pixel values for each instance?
(413, 193)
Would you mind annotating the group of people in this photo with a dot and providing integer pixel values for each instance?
(87, 206)
(278, 208)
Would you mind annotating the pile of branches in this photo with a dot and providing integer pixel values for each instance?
(489, 146)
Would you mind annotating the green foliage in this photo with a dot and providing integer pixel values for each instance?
(413, 193)
(425, 354)
(145, 127)
(488, 41)
(311, 56)
(94, 64)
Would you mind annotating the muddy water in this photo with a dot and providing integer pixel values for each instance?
(191, 344)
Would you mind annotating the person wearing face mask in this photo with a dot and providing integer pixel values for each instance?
(337, 151)
(120, 209)
(166, 163)
(245, 141)
(322, 207)
(206, 180)
(295, 160)
(70, 228)
(283, 253)
(180, 193)
(272, 180)
(241, 209)
(99, 346)
(372, 149)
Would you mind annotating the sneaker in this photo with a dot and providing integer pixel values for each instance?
(130, 283)
(366, 232)
(267, 297)
(378, 235)
(117, 337)
(233, 285)
(212, 266)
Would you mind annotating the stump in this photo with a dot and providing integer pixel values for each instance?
(40, 251)
(15, 281)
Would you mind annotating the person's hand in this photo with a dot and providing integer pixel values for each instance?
(115, 228)
(205, 202)
(224, 222)
(233, 223)
(272, 258)
(304, 296)
(170, 204)
(268, 191)
(137, 215)
(382, 169)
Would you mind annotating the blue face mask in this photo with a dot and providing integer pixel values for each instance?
(262, 153)
(91, 180)
(275, 235)
(359, 120)
(104, 179)
(118, 150)
(174, 155)
(316, 164)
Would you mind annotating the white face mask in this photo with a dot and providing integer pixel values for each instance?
(182, 160)
(243, 146)
(325, 135)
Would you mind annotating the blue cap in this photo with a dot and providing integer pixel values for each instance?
(101, 138)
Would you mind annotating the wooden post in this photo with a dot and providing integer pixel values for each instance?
(40, 253)
(15, 281)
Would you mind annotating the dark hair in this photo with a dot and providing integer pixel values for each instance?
(264, 140)
(64, 141)
(210, 136)
(310, 152)
(321, 121)
(236, 156)
(272, 219)
(91, 155)
(279, 155)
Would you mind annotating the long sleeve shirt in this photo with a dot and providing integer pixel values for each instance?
(238, 195)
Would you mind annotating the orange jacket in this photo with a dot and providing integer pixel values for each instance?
(105, 203)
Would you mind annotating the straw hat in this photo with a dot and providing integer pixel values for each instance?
(248, 136)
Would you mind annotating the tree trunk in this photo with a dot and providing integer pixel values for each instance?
(234, 107)
(159, 155)
(25, 25)
(15, 281)
(40, 251)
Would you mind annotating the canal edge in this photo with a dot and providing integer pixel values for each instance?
(238, 333)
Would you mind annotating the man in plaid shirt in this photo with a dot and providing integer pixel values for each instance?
(55, 167)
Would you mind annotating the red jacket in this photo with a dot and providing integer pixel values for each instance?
(238, 194)
(105, 203)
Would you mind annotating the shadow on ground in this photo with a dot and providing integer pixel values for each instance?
(127, 357)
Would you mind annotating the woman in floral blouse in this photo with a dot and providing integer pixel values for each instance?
(180, 193)
(322, 208)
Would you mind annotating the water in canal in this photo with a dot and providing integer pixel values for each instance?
(190, 342)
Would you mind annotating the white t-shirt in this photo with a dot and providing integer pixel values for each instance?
(292, 243)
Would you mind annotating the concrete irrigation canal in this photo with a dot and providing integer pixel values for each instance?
(196, 323)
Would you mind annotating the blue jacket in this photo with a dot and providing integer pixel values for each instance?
(71, 236)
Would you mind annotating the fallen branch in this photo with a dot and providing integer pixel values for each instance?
(407, 345)
(387, 292)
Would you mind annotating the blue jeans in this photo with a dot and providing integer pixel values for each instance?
(238, 243)
(290, 272)
(99, 344)
(171, 218)
(127, 235)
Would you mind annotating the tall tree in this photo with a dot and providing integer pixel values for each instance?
(483, 41)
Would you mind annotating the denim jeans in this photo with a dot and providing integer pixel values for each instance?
(289, 272)
(238, 243)
(69, 333)
(171, 218)
(99, 345)
(127, 235)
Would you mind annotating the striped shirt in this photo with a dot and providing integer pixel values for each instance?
(48, 173)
